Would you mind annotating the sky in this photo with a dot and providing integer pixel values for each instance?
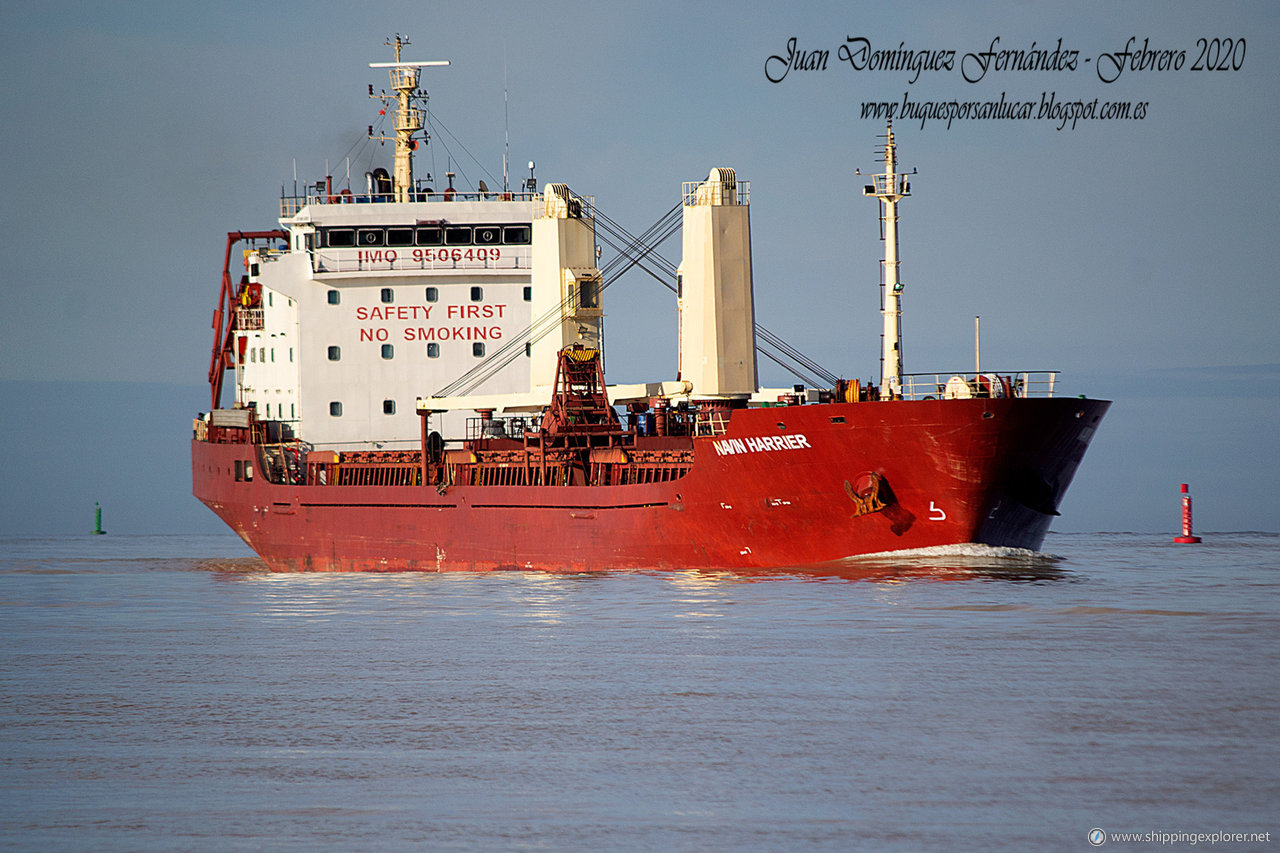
(1134, 254)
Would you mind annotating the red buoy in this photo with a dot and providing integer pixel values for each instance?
(1186, 538)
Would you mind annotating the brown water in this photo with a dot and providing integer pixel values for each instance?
(164, 693)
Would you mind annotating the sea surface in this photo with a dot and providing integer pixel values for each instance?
(166, 693)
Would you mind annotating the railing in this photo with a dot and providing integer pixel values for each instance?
(500, 427)
(926, 386)
(418, 258)
(249, 319)
(713, 422)
(890, 184)
(290, 205)
(731, 192)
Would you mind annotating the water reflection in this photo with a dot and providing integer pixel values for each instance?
(948, 563)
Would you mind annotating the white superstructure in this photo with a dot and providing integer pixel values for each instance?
(378, 296)
(403, 298)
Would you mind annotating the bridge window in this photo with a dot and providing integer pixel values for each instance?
(340, 238)
(517, 235)
(488, 235)
(370, 236)
(400, 237)
(457, 235)
(430, 236)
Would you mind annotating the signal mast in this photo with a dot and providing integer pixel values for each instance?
(890, 187)
(409, 118)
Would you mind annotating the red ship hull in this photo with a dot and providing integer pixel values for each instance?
(778, 490)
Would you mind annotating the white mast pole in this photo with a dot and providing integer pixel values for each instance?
(506, 124)
(977, 346)
(890, 187)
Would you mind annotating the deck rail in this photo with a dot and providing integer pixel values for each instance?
(290, 205)
(994, 383)
(469, 258)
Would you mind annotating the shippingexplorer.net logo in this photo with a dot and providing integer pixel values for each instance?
(1099, 837)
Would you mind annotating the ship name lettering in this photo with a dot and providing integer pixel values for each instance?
(762, 444)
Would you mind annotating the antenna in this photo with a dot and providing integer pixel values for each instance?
(977, 346)
(506, 122)
(409, 116)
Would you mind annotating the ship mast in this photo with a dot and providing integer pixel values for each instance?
(890, 187)
(409, 116)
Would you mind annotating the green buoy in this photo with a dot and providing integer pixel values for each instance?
(97, 519)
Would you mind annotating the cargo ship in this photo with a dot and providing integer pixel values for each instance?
(418, 385)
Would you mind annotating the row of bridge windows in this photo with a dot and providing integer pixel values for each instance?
(431, 235)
